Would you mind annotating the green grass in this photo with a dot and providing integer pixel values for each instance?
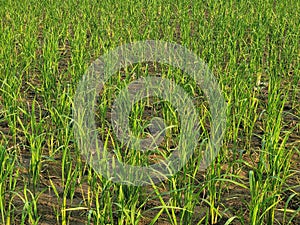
(252, 47)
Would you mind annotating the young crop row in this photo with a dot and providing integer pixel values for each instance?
(252, 48)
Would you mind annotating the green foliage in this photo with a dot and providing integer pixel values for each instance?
(252, 47)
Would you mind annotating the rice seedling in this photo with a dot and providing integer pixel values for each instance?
(252, 48)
